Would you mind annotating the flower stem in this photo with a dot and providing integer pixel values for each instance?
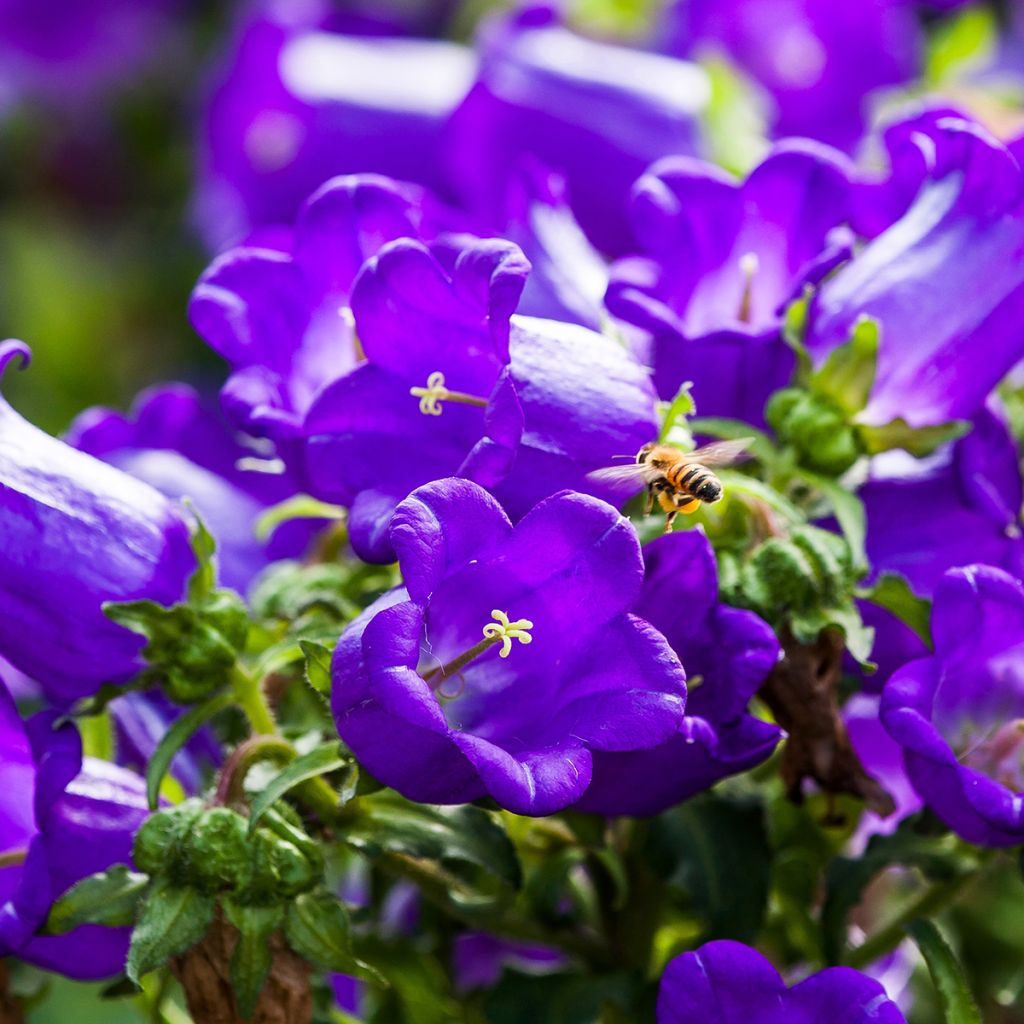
(250, 696)
(12, 858)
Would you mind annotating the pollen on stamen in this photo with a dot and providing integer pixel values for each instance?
(432, 395)
(507, 631)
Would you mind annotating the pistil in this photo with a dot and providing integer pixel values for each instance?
(749, 266)
(500, 631)
(435, 393)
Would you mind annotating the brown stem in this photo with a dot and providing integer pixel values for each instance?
(802, 694)
(11, 1011)
(205, 975)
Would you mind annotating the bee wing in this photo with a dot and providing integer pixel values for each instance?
(623, 478)
(720, 453)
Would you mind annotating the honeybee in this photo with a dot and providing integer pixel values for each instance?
(677, 481)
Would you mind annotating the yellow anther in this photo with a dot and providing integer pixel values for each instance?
(432, 395)
(507, 631)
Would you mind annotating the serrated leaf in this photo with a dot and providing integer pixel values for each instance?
(301, 506)
(317, 762)
(892, 592)
(388, 823)
(172, 919)
(317, 927)
(253, 956)
(108, 898)
(919, 441)
(318, 667)
(848, 878)
(175, 738)
(848, 510)
(848, 374)
(958, 1003)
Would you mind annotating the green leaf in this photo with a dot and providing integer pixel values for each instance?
(253, 956)
(919, 441)
(680, 407)
(301, 506)
(860, 638)
(176, 737)
(319, 761)
(960, 43)
(173, 919)
(848, 510)
(794, 331)
(318, 667)
(718, 850)
(892, 592)
(388, 823)
(847, 375)
(317, 928)
(957, 1001)
(108, 898)
(203, 581)
(754, 488)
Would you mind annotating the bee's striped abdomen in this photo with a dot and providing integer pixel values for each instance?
(695, 480)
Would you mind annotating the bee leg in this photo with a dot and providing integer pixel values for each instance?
(649, 503)
(670, 518)
(689, 507)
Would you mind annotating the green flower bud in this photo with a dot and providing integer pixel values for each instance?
(217, 849)
(159, 843)
(295, 871)
(832, 560)
(818, 430)
(779, 577)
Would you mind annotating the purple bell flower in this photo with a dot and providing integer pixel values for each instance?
(727, 653)
(479, 959)
(67, 818)
(721, 259)
(595, 113)
(818, 60)
(453, 385)
(964, 504)
(127, 541)
(730, 983)
(174, 442)
(279, 315)
(296, 103)
(958, 714)
(433, 707)
(946, 278)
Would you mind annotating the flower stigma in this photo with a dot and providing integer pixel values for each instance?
(749, 266)
(502, 631)
(435, 393)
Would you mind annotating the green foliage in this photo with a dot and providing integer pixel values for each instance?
(172, 919)
(958, 1004)
(317, 927)
(892, 592)
(319, 761)
(109, 899)
(253, 956)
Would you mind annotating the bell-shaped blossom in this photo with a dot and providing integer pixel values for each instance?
(719, 261)
(76, 533)
(479, 959)
(280, 315)
(434, 707)
(296, 102)
(63, 818)
(818, 60)
(927, 516)
(173, 441)
(944, 280)
(727, 654)
(596, 113)
(730, 983)
(65, 54)
(959, 713)
(453, 385)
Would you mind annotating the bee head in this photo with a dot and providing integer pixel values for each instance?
(641, 456)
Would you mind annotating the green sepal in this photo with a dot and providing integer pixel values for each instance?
(849, 512)
(892, 592)
(319, 761)
(681, 406)
(175, 738)
(253, 957)
(203, 581)
(919, 441)
(300, 506)
(172, 919)
(848, 374)
(958, 1004)
(860, 638)
(794, 332)
(317, 927)
(317, 669)
(108, 898)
